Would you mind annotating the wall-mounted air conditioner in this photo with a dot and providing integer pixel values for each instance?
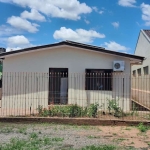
(118, 66)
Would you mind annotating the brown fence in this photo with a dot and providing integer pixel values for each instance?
(100, 95)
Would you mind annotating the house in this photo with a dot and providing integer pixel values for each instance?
(142, 49)
(140, 84)
(65, 73)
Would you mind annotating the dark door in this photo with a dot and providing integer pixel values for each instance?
(58, 85)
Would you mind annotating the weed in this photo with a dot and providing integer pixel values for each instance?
(93, 137)
(134, 110)
(92, 110)
(6, 130)
(148, 143)
(33, 135)
(40, 109)
(119, 140)
(127, 128)
(31, 144)
(68, 111)
(102, 147)
(113, 108)
(57, 139)
(75, 111)
(142, 127)
(22, 130)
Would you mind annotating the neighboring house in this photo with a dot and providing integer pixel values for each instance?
(76, 62)
(141, 82)
(142, 49)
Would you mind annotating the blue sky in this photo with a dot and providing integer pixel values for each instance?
(113, 24)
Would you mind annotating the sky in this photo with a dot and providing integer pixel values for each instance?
(112, 24)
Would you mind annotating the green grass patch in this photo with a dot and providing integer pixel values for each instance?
(102, 147)
(143, 128)
(6, 130)
(32, 143)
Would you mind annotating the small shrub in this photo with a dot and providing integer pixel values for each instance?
(142, 127)
(45, 112)
(40, 109)
(113, 108)
(75, 111)
(68, 111)
(92, 110)
(134, 110)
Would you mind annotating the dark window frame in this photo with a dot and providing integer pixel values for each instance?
(146, 72)
(134, 73)
(139, 72)
(98, 79)
(55, 75)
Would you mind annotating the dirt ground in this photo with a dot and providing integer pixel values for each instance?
(77, 137)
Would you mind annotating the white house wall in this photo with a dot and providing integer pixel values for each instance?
(76, 60)
(142, 49)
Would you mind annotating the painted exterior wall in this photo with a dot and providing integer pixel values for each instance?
(76, 60)
(140, 84)
(142, 49)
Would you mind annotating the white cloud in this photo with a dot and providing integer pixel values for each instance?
(23, 24)
(79, 35)
(115, 24)
(7, 30)
(18, 41)
(127, 3)
(95, 8)
(68, 9)
(101, 12)
(146, 13)
(8, 49)
(86, 21)
(115, 46)
(33, 15)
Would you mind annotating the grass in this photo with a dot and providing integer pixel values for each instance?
(143, 128)
(102, 147)
(119, 140)
(35, 137)
(32, 143)
(127, 128)
(22, 130)
(6, 130)
(93, 137)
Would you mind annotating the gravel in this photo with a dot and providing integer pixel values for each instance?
(74, 137)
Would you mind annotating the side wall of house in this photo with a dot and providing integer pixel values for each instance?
(140, 84)
(142, 49)
(28, 91)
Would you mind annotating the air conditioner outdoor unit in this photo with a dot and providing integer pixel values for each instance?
(118, 66)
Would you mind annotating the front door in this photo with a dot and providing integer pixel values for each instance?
(58, 86)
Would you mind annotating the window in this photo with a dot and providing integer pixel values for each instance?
(134, 73)
(145, 69)
(139, 72)
(58, 86)
(98, 79)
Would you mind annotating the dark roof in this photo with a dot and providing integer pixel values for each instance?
(147, 32)
(74, 44)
